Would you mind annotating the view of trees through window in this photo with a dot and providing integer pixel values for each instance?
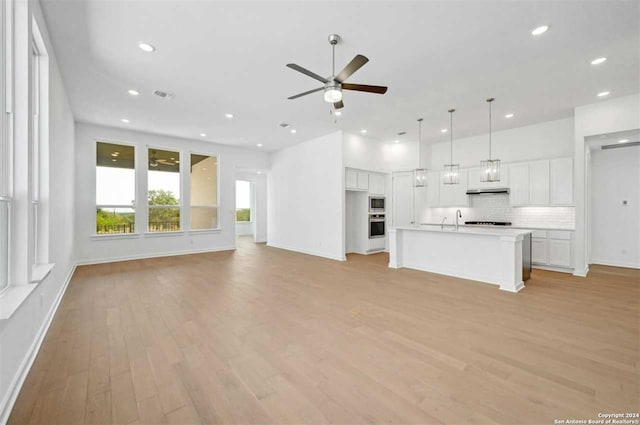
(163, 191)
(115, 188)
(243, 200)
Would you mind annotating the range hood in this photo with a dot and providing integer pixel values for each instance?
(489, 191)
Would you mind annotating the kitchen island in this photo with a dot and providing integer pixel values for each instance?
(486, 255)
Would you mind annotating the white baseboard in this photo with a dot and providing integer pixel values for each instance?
(21, 374)
(153, 255)
(303, 251)
(616, 264)
(555, 269)
(582, 273)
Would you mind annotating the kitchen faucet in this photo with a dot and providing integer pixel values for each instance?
(442, 224)
(458, 214)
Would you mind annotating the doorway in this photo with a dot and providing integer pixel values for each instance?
(245, 208)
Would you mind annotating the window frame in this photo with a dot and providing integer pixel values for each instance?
(180, 205)
(134, 206)
(218, 228)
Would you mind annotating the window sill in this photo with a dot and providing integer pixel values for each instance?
(40, 271)
(204, 231)
(12, 298)
(161, 234)
(110, 236)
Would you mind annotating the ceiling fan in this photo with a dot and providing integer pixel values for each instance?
(334, 84)
(154, 162)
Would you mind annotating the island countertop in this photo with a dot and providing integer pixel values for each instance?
(493, 231)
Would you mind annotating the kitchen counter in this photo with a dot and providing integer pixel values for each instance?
(491, 255)
(559, 228)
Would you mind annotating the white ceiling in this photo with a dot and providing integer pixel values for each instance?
(219, 57)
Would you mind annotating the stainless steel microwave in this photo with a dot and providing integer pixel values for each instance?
(376, 204)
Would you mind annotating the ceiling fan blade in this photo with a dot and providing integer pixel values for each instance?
(355, 64)
(295, 96)
(338, 105)
(365, 88)
(307, 72)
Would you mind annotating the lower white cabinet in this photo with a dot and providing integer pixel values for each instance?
(552, 249)
(560, 253)
(539, 251)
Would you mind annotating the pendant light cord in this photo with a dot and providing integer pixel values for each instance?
(419, 141)
(333, 60)
(490, 100)
(451, 111)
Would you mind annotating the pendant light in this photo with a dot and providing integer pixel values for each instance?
(490, 168)
(420, 174)
(451, 170)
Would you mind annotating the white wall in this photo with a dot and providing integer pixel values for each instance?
(306, 197)
(609, 116)
(369, 153)
(91, 249)
(21, 333)
(615, 228)
(552, 139)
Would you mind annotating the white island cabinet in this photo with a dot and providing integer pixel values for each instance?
(486, 255)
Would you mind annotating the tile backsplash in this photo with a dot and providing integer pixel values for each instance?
(497, 208)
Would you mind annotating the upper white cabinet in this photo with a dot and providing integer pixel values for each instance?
(539, 182)
(433, 189)
(351, 179)
(363, 180)
(519, 174)
(453, 195)
(474, 182)
(376, 184)
(561, 172)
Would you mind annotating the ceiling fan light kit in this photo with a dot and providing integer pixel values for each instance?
(335, 84)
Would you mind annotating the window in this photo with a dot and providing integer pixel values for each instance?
(115, 188)
(163, 191)
(243, 200)
(204, 192)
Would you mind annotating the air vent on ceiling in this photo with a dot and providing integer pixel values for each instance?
(621, 145)
(285, 125)
(402, 133)
(164, 94)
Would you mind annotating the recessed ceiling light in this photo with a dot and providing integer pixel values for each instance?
(444, 130)
(598, 61)
(363, 131)
(509, 115)
(124, 120)
(146, 47)
(258, 172)
(623, 141)
(604, 93)
(203, 134)
(294, 131)
(337, 113)
(540, 30)
(133, 92)
(228, 115)
(259, 145)
(396, 141)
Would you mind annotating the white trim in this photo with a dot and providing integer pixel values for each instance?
(303, 251)
(616, 264)
(167, 233)
(204, 231)
(110, 236)
(554, 268)
(154, 255)
(14, 388)
(583, 273)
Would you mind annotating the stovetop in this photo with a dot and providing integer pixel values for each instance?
(488, 223)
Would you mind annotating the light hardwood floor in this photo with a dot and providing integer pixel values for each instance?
(262, 335)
